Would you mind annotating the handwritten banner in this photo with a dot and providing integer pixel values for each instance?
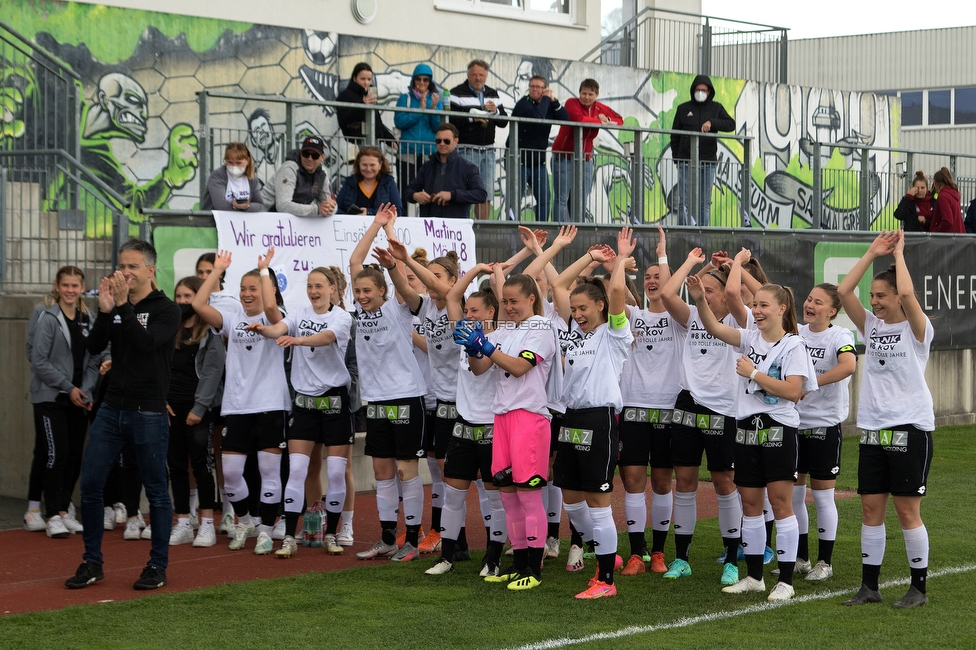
(302, 244)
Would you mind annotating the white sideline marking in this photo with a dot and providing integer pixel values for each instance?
(718, 616)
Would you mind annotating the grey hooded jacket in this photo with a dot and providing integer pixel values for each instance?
(52, 364)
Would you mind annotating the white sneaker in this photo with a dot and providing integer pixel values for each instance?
(278, 532)
(241, 533)
(575, 560)
(345, 535)
(206, 537)
(55, 528)
(146, 533)
(121, 515)
(181, 534)
(746, 585)
(72, 524)
(821, 571)
(132, 529)
(552, 547)
(108, 519)
(289, 548)
(781, 591)
(227, 523)
(265, 544)
(194, 522)
(802, 567)
(440, 567)
(33, 521)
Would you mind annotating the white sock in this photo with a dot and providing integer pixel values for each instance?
(347, 517)
(436, 483)
(787, 539)
(336, 492)
(386, 499)
(800, 509)
(579, 516)
(499, 529)
(263, 528)
(270, 467)
(413, 501)
(685, 513)
(661, 507)
(754, 535)
(484, 502)
(872, 544)
(917, 547)
(33, 505)
(295, 487)
(554, 512)
(182, 521)
(729, 514)
(452, 513)
(635, 511)
(206, 521)
(604, 531)
(826, 514)
(235, 487)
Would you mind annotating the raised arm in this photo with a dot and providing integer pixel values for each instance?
(662, 258)
(882, 245)
(267, 288)
(404, 293)
(906, 291)
(384, 215)
(201, 301)
(677, 307)
(563, 284)
(455, 311)
(719, 330)
(626, 243)
(565, 237)
(733, 289)
(399, 252)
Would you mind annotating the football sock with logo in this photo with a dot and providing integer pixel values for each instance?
(917, 547)
(786, 541)
(872, 554)
(661, 507)
(753, 541)
(826, 522)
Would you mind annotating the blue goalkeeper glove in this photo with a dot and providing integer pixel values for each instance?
(472, 337)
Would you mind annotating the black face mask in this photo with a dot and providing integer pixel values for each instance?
(186, 312)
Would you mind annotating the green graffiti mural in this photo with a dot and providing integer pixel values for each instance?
(139, 129)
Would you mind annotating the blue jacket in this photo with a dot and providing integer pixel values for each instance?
(416, 128)
(386, 192)
(458, 176)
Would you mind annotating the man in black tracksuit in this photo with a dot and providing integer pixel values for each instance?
(141, 324)
(446, 185)
(702, 114)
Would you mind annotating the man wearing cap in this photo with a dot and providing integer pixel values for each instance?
(301, 184)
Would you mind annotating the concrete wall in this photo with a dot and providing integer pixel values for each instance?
(949, 376)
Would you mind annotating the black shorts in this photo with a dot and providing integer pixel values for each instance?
(894, 461)
(440, 424)
(645, 437)
(250, 432)
(765, 451)
(554, 425)
(588, 445)
(818, 452)
(395, 428)
(468, 452)
(218, 419)
(329, 422)
(696, 429)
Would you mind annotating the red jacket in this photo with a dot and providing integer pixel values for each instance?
(947, 216)
(579, 113)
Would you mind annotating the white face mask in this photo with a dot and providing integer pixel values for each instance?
(236, 172)
(701, 96)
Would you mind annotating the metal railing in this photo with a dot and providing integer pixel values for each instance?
(53, 211)
(626, 186)
(41, 97)
(677, 41)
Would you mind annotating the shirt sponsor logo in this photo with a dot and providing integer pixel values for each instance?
(143, 318)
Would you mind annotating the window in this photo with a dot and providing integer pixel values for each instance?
(547, 11)
(939, 107)
(911, 109)
(965, 106)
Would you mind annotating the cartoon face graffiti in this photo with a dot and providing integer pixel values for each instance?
(124, 102)
(262, 136)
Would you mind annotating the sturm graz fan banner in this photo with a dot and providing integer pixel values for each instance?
(943, 267)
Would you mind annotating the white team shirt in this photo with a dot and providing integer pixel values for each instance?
(316, 370)
(527, 392)
(708, 365)
(893, 388)
(593, 365)
(387, 367)
(475, 394)
(830, 405)
(254, 377)
(430, 400)
(791, 355)
(649, 379)
(441, 352)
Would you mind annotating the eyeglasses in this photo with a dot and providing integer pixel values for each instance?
(314, 155)
(426, 80)
(444, 140)
(536, 87)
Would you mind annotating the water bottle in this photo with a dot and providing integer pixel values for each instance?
(774, 373)
(445, 102)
